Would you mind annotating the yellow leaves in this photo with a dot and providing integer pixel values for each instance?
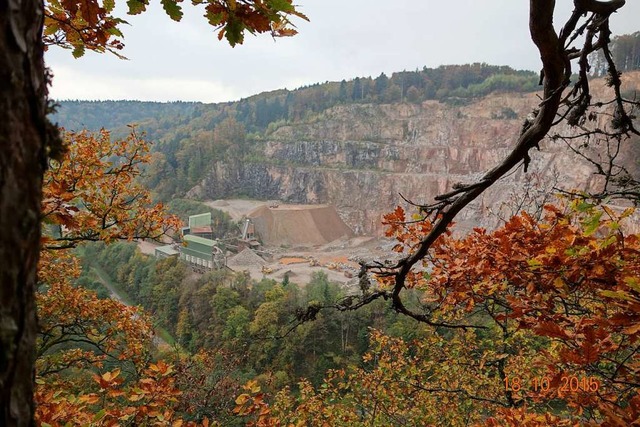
(632, 283)
(161, 368)
(626, 213)
(632, 330)
(242, 399)
(618, 295)
(89, 398)
(560, 284)
(252, 404)
(252, 386)
(91, 193)
(564, 291)
(111, 376)
(108, 379)
(136, 396)
(599, 270)
(535, 264)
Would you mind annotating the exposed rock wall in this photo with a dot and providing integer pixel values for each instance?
(360, 158)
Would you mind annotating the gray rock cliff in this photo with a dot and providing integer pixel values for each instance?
(362, 157)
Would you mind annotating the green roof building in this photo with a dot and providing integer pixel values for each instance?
(200, 220)
(166, 251)
(200, 225)
(201, 253)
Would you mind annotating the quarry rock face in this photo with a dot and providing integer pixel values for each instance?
(361, 157)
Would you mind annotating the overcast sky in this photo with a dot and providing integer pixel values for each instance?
(171, 61)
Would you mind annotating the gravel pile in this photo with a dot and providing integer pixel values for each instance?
(246, 258)
(299, 225)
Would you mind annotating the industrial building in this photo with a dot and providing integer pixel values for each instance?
(202, 254)
(199, 225)
(166, 251)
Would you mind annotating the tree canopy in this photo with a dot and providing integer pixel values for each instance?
(29, 140)
(92, 24)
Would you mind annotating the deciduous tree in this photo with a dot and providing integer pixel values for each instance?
(91, 193)
(27, 140)
(535, 323)
(25, 143)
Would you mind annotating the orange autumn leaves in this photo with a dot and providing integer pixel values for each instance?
(234, 18)
(93, 356)
(78, 330)
(92, 24)
(94, 365)
(92, 194)
(82, 24)
(572, 278)
(547, 301)
(107, 399)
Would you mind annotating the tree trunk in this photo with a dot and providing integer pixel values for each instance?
(23, 130)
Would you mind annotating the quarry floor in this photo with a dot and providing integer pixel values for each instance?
(337, 258)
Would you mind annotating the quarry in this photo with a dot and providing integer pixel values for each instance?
(280, 242)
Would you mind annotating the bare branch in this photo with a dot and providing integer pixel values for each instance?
(556, 72)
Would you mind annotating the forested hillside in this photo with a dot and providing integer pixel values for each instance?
(257, 112)
(450, 83)
(532, 321)
(250, 320)
(454, 83)
(365, 134)
(188, 139)
(114, 115)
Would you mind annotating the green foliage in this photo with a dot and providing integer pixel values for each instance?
(257, 112)
(252, 321)
(625, 52)
(137, 6)
(88, 280)
(172, 8)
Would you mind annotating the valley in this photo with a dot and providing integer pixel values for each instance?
(275, 200)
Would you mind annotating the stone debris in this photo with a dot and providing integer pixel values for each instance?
(246, 258)
(299, 225)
